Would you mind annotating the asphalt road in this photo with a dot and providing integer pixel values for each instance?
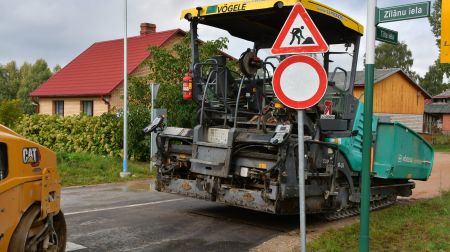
(133, 217)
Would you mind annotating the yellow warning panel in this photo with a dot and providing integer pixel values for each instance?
(445, 32)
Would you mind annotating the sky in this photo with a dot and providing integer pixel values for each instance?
(58, 31)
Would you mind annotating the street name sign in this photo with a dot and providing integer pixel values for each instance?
(299, 34)
(403, 12)
(387, 35)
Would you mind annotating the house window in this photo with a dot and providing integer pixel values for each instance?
(87, 108)
(58, 108)
(3, 161)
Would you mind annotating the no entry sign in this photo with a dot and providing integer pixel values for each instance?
(300, 82)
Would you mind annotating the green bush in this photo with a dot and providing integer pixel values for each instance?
(10, 112)
(97, 135)
(441, 139)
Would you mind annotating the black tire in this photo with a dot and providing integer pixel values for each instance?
(21, 235)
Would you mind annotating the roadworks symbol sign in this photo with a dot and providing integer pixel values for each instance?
(299, 35)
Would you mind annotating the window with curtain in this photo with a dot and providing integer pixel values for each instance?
(87, 108)
(58, 108)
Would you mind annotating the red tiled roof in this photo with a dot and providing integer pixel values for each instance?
(99, 69)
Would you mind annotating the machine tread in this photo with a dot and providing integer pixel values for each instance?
(353, 211)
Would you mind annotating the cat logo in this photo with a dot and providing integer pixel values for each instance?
(30, 155)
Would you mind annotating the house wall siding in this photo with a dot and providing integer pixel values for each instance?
(72, 106)
(45, 106)
(395, 95)
(446, 122)
(116, 100)
(414, 122)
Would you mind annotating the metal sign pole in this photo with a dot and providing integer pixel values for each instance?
(301, 179)
(152, 117)
(367, 127)
(125, 172)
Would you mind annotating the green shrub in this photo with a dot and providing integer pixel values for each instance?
(138, 141)
(97, 135)
(441, 139)
(10, 112)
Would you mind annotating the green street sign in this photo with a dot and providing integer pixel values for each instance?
(386, 35)
(403, 12)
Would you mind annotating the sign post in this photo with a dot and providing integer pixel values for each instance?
(367, 127)
(374, 17)
(125, 172)
(299, 72)
(154, 93)
(301, 178)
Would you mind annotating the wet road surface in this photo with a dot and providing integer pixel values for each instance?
(133, 217)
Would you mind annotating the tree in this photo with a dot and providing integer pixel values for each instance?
(432, 82)
(56, 68)
(167, 68)
(435, 20)
(31, 77)
(10, 112)
(395, 56)
(435, 23)
(9, 81)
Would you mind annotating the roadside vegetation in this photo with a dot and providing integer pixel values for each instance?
(441, 142)
(88, 169)
(442, 147)
(420, 226)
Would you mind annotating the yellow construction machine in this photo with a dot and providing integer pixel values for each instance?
(30, 193)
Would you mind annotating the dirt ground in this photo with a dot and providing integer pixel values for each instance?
(438, 182)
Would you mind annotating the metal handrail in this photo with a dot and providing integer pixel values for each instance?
(204, 96)
(237, 101)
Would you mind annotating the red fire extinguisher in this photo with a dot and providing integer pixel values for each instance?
(187, 87)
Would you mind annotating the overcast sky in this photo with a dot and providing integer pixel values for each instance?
(60, 30)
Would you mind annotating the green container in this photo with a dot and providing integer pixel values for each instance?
(401, 153)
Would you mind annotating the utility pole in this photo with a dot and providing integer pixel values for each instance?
(367, 128)
(125, 172)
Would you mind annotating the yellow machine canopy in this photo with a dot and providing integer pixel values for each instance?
(261, 21)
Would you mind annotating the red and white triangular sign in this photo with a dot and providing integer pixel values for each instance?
(299, 34)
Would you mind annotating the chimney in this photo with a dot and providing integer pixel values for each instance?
(147, 28)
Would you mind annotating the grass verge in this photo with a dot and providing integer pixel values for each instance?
(441, 147)
(89, 169)
(420, 226)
